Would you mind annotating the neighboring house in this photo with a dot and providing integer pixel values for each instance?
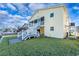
(72, 29)
(53, 21)
(77, 31)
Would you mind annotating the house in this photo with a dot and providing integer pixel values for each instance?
(77, 31)
(53, 21)
(72, 29)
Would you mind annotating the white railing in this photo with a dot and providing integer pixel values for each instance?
(31, 31)
(25, 35)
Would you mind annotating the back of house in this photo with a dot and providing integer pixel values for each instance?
(53, 21)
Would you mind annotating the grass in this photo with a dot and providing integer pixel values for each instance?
(4, 45)
(40, 47)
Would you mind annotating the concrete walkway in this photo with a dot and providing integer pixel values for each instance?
(13, 41)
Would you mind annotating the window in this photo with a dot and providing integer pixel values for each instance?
(35, 21)
(42, 20)
(51, 28)
(52, 15)
(72, 24)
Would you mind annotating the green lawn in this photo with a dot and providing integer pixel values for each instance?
(39, 47)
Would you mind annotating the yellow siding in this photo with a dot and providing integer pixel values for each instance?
(66, 22)
(58, 21)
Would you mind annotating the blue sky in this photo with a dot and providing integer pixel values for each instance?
(13, 15)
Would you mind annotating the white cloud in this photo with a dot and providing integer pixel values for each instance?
(11, 6)
(1, 5)
(22, 9)
(3, 12)
(28, 17)
(3, 16)
(9, 20)
(23, 21)
(76, 7)
(16, 17)
(35, 6)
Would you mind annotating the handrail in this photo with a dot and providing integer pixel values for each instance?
(31, 31)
